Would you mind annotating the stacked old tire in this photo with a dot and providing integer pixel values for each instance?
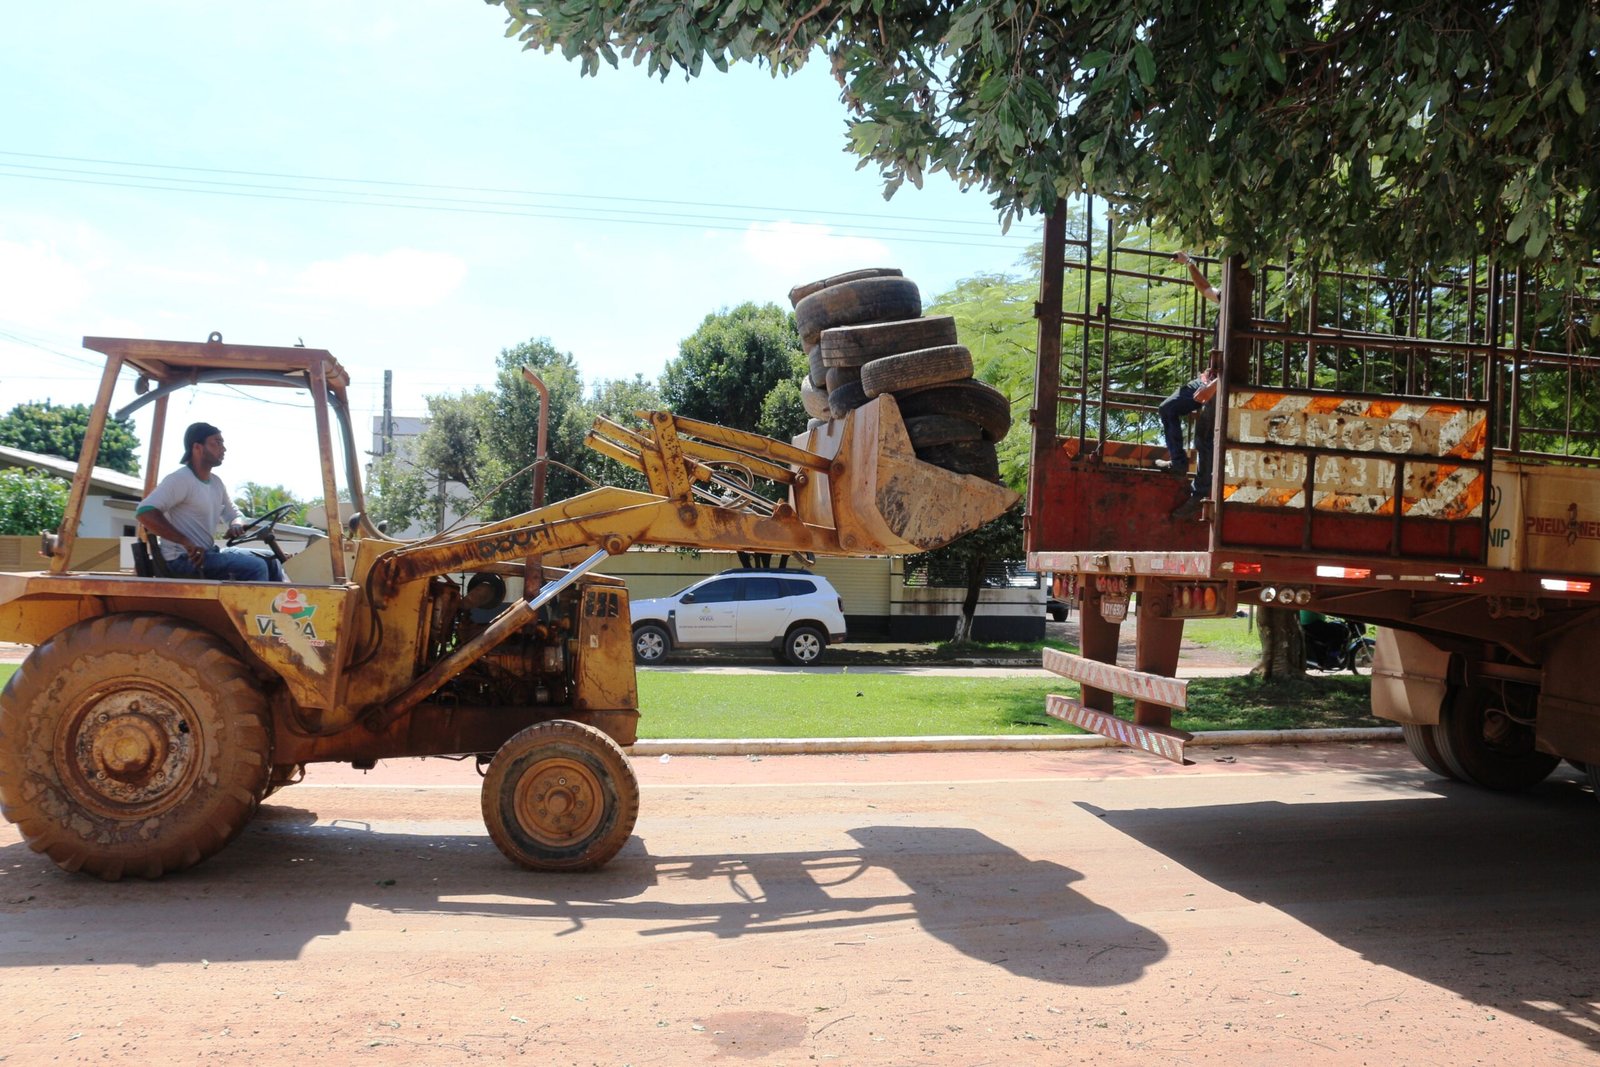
(865, 335)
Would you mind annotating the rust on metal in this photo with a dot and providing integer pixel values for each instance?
(330, 485)
(67, 533)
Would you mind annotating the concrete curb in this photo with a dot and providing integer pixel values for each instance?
(817, 746)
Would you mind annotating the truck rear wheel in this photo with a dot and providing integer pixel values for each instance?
(133, 744)
(1425, 748)
(1484, 745)
(560, 796)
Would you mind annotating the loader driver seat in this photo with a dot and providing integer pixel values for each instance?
(148, 562)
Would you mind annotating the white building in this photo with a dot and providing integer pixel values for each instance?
(405, 430)
(113, 496)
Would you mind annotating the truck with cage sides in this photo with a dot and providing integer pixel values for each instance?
(1419, 453)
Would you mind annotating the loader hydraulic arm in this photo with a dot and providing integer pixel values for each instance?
(859, 490)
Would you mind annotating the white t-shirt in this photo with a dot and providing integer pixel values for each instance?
(195, 506)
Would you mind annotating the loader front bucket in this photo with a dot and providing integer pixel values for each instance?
(880, 497)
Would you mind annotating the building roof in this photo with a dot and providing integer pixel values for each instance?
(104, 478)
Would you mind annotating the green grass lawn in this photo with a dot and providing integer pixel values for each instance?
(801, 704)
(6, 671)
(910, 705)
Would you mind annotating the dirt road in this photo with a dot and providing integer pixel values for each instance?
(1329, 904)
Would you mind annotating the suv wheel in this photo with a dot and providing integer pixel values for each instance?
(650, 643)
(803, 646)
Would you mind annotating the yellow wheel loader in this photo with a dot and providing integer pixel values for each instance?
(154, 713)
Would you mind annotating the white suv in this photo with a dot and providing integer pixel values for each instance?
(794, 612)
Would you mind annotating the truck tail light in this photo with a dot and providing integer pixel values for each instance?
(1565, 585)
(1326, 571)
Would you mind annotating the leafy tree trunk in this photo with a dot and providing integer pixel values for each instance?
(1283, 647)
(969, 602)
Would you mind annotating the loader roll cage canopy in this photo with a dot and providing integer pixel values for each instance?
(164, 367)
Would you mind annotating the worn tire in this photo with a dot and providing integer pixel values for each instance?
(911, 370)
(800, 292)
(845, 399)
(651, 643)
(965, 457)
(848, 303)
(560, 796)
(927, 431)
(814, 400)
(840, 376)
(817, 371)
(1488, 749)
(971, 400)
(132, 744)
(803, 645)
(1425, 748)
(852, 346)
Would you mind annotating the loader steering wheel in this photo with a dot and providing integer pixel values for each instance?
(260, 528)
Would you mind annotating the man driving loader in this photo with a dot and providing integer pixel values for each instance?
(185, 509)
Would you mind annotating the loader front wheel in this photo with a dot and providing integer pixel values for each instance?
(132, 744)
(560, 796)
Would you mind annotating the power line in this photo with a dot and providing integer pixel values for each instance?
(412, 202)
(464, 188)
(46, 348)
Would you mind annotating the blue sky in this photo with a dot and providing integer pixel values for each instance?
(608, 214)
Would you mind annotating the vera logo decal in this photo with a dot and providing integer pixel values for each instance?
(290, 603)
(290, 614)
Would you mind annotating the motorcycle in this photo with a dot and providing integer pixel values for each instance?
(1336, 644)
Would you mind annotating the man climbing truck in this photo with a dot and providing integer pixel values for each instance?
(155, 713)
(1418, 454)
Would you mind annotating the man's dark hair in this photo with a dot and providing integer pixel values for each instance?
(194, 435)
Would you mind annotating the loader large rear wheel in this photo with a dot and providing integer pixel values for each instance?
(132, 744)
(560, 796)
(1480, 742)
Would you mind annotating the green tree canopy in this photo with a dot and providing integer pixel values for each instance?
(618, 400)
(59, 429)
(510, 440)
(1416, 131)
(255, 499)
(397, 492)
(725, 370)
(30, 502)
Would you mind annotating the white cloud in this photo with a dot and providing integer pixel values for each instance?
(399, 278)
(806, 250)
(39, 282)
